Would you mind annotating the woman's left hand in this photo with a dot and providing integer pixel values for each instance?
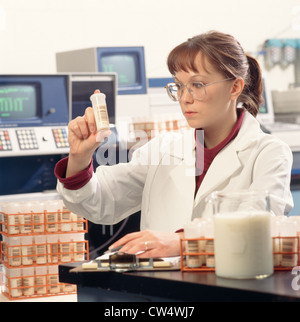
(150, 243)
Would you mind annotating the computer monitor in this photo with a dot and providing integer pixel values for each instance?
(83, 85)
(33, 100)
(127, 62)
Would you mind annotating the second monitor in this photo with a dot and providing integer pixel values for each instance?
(82, 86)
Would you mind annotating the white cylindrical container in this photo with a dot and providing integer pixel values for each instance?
(52, 280)
(65, 248)
(289, 242)
(11, 218)
(208, 230)
(53, 210)
(243, 245)
(40, 249)
(78, 247)
(100, 111)
(38, 217)
(242, 228)
(14, 251)
(65, 220)
(52, 248)
(13, 281)
(77, 222)
(28, 281)
(275, 233)
(41, 280)
(26, 217)
(193, 231)
(27, 250)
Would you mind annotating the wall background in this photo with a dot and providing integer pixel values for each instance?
(32, 31)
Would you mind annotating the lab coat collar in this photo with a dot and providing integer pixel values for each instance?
(227, 162)
(248, 134)
(224, 165)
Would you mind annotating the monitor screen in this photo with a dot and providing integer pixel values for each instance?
(18, 101)
(125, 65)
(83, 89)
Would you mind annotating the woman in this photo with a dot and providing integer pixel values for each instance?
(212, 75)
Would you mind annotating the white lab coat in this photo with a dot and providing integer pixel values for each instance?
(160, 179)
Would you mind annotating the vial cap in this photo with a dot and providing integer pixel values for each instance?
(98, 99)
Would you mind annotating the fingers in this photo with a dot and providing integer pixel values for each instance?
(150, 244)
(79, 127)
(83, 126)
(125, 240)
(90, 119)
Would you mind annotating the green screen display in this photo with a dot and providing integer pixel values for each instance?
(18, 102)
(124, 65)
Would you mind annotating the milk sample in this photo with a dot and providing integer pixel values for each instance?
(243, 244)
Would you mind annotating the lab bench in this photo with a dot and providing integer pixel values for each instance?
(174, 286)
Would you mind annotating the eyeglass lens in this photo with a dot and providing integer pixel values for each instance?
(175, 91)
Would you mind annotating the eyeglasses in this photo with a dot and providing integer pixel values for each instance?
(196, 89)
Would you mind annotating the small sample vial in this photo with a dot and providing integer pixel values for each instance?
(52, 214)
(52, 280)
(11, 218)
(65, 248)
(25, 217)
(28, 281)
(41, 280)
(100, 111)
(288, 231)
(192, 231)
(27, 250)
(14, 251)
(77, 222)
(40, 249)
(208, 230)
(52, 248)
(65, 220)
(68, 288)
(276, 240)
(38, 216)
(79, 247)
(13, 281)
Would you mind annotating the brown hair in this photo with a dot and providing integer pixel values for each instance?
(225, 53)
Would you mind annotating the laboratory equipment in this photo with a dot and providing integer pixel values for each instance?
(127, 62)
(242, 227)
(44, 235)
(287, 132)
(289, 51)
(273, 52)
(82, 85)
(34, 113)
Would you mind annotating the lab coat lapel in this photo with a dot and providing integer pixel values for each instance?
(182, 174)
(227, 161)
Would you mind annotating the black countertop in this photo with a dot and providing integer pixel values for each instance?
(188, 286)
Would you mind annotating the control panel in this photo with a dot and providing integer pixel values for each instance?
(22, 141)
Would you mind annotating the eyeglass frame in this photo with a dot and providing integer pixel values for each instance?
(185, 85)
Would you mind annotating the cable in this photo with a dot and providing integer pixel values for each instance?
(110, 240)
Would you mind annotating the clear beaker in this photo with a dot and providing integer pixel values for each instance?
(243, 242)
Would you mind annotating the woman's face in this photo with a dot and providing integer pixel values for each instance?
(210, 112)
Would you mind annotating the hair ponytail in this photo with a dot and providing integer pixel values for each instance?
(251, 96)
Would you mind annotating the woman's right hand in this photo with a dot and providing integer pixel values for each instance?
(83, 134)
(83, 140)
